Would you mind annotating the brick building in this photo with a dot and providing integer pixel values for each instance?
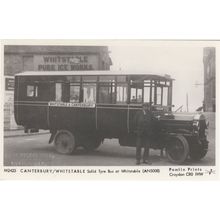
(20, 58)
(209, 79)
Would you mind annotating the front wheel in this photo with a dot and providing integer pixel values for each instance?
(197, 154)
(198, 149)
(64, 142)
(177, 149)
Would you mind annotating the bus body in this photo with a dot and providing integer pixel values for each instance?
(83, 108)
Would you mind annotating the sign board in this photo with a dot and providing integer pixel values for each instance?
(65, 62)
(69, 104)
(9, 83)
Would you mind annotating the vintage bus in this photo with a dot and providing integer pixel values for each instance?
(83, 108)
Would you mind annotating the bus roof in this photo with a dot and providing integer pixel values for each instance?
(92, 73)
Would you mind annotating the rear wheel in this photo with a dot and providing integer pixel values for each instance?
(178, 149)
(64, 142)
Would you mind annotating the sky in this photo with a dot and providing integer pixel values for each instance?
(182, 63)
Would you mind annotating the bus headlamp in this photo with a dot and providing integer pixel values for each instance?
(196, 126)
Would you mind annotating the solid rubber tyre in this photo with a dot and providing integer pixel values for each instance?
(178, 149)
(64, 142)
(197, 154)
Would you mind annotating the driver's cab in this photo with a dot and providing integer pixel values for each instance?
(153, 89)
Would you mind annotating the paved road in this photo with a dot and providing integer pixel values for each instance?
(35, 151)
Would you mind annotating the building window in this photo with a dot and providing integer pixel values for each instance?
(58, 92)
(74, 93)
(32, 91)
(28, 63)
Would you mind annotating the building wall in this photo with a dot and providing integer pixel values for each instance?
(13, 63)
(209, 78)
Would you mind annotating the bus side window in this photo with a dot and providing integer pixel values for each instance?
(44, 91)
(122, 92)
(106, 93)
(165, 96)
(74, 93)
(159, 96)
(136, 95)
(89, 92)
(58, 92)
(147, 94)
(136, 90)
(32, 91)
(153, 95)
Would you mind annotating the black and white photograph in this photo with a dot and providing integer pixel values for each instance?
(135, 103)
(109, 109)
